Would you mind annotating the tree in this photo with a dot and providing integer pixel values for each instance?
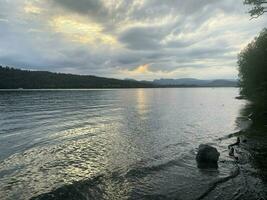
(259, 7)
(252, 62)
(11, 78)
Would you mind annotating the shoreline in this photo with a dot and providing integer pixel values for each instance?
(122, 88)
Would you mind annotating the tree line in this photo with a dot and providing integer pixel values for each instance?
(252, 61)
(11, 78)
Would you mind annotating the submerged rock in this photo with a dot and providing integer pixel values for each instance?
(207, 156)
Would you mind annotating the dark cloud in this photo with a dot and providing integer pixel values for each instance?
(81, 6)
(87, 7)
(142, 38)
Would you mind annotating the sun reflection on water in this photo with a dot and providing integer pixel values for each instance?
(142, 102)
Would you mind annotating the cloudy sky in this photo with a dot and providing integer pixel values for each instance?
(141, 39)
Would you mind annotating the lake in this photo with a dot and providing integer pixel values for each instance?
(121, 144)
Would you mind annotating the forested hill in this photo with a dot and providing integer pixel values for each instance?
(11, 78)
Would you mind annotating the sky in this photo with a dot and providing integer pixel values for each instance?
(139, 39)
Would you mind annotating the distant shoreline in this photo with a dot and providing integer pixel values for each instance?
(84, 89)
(17, 79)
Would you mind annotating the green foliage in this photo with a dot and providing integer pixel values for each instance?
(258, 7)
(252, 62)
(11, 78)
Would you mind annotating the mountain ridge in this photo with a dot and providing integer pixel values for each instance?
(196, 82)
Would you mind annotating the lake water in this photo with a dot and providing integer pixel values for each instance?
(120, 144)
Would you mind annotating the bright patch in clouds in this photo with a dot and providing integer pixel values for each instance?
(31, 8)
(84, 32)
(141, 39)
(142, 70)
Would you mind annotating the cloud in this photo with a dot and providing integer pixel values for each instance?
(86, 7)
(30, 8)
(83, 32)
(142, 39)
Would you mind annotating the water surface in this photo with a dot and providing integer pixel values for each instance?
(118, 144)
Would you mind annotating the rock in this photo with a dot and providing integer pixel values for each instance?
(231, 152)
(240, 97)
(207, 156)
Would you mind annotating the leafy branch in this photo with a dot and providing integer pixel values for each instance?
(259, 7)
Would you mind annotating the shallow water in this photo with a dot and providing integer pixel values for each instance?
(119, 144)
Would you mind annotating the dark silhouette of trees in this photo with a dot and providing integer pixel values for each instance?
(11, 78)
(259, 7)
(252, 62)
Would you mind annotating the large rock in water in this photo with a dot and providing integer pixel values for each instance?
(207, 156)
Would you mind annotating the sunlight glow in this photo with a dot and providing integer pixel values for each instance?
(142, 69)
(32, 9)
(215, 71)
(83, 32)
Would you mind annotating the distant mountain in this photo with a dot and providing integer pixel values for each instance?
(11, 78)
(129, 79)
(223, 83)
(182, 81)
(196, 82)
